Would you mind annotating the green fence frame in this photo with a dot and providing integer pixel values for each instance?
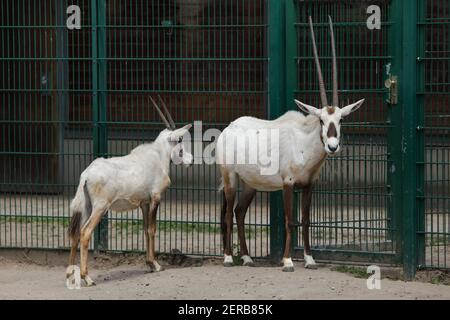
(393, 160)
(433, 129)
(99, 87)
(410, 133)
(277, 101)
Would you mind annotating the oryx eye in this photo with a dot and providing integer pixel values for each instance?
(180, 139)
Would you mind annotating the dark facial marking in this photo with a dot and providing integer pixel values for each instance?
(320, 132)
(332, 131)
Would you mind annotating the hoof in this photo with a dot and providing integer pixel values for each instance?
(247, 261)
(228, 261)
(288, 265)
(88, 282)
(311, 266)
(288, 269)
(309, 262)
(155, 267)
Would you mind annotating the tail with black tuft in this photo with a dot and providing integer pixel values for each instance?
(74, 226)
(81, 208)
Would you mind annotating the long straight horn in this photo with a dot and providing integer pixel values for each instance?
(163, 118)
(335, 77)
(169, 117)
(323, 94)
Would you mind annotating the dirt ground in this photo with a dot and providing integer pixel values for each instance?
(41, 275)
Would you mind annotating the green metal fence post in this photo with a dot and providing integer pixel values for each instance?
(276, 91)
(410, 147)
(394, 136)
(290, 70)
(62, 80)
(291, 53)
(99, 80)
(420, 88)
(94, 76)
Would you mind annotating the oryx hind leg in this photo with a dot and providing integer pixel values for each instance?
(229, 189)
(245, 198)
(288, 193)
(73, 250)
(85, 237)
(73, 278)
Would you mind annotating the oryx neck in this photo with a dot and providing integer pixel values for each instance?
(164, 149)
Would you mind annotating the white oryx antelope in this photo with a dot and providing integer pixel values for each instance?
(124, 183)
(303, 144)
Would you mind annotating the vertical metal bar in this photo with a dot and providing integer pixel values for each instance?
(62, 84)
(95, 116)
(94, 57)
(99, 79)
(290, 71)
(394, 135)
(420, 87)
(408, 104)
(102, 87)
(277, 101)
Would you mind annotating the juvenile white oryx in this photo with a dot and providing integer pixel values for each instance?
(301, 147)
(124, 183)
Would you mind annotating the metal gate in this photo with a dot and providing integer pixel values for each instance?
(353, 215)
(69, 96)
(433, 100)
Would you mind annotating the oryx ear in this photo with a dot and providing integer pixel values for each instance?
(307, 108)
(180, 132)
(345, 111)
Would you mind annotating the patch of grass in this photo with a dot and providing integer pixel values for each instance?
(435, 280)
(440, 277)
(136, 226)
(188, 227)
(64, 221)
(131, 226)
(357, 272)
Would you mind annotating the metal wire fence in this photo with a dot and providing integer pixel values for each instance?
(69, 96)
(435, 60)
(350, 211)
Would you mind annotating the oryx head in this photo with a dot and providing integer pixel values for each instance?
(330, 115)
(178, 153)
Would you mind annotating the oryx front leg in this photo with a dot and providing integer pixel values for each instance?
(151, 232)
(288, 192)
(306, 204)
(85, 237)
